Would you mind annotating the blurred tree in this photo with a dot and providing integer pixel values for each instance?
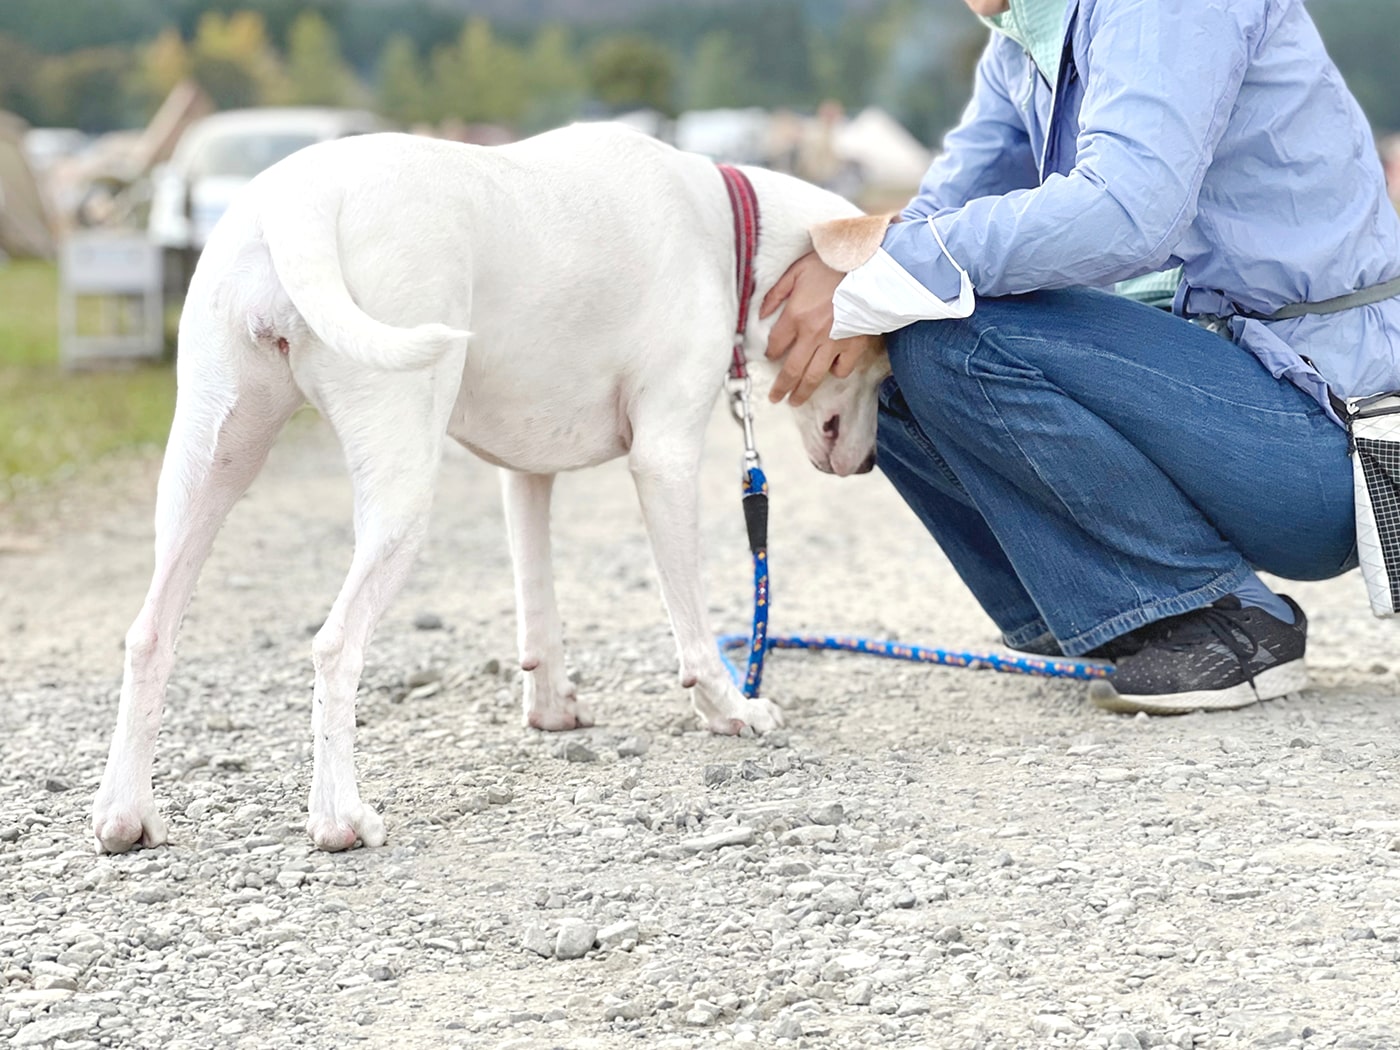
(364, 29)
(316, 71)
(18, 65)
(716, 77)
(771, 44)
(166, 61)
(923, 65)
(555, 84)
(1361, 37)
(633, 71)
(402, 92)
(779, 54)
(276, 16)
(228, 82)
(54, 27)
(234, 62)
(479, 78)
(158, 67)
(843, 63)
(84, 89)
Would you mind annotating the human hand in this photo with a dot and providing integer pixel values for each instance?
(802, 335)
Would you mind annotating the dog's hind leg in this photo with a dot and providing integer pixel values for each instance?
(390, 426)
(665, 467)
(219, 438)
(550, 700)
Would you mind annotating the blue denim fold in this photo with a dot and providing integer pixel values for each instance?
(1089, 464)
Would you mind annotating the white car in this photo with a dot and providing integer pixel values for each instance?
(217, 155)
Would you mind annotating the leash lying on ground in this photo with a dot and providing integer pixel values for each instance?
(744, 203)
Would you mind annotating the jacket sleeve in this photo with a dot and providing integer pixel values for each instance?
(1162, 78)
(989, 152)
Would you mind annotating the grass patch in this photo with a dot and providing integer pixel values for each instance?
(52, 421)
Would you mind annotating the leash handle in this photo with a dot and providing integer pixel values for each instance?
(756, 524)
(756, 521)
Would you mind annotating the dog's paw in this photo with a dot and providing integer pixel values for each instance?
(554, 711)
(341, 828)
(744, 712)
(117, 827)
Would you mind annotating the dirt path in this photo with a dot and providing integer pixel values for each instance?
(923, 858)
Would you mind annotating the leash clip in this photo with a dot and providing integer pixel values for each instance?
(740, 389)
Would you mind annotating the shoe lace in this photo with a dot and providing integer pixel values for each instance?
(1212, 624)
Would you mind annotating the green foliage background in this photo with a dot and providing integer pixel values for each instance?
(88, 63)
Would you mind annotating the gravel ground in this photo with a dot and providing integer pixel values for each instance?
(923, 857)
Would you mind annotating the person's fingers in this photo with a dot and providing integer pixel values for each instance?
(794, 365)
(853, 351)
(817, 369)
(782, 336)
(778, 294)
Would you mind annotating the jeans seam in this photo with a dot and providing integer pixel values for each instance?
(1034, 631)
(1166, 377)
(916, 433)
(1124, 622)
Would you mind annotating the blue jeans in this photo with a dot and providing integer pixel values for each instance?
(1089, 464)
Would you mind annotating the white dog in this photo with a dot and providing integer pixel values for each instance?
(551, 304)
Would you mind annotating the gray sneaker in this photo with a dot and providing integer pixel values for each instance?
(1213, 659)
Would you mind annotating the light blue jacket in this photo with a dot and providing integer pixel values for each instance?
(1212, 134)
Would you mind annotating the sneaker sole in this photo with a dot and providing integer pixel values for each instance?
(1268, 685)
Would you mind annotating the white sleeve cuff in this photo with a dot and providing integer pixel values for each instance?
(881, 296)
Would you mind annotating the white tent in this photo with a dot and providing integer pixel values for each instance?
(886, 154)
(736, 136)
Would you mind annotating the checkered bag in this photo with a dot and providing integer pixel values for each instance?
(1375, 442)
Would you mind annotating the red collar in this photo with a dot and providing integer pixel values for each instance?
(744, 204)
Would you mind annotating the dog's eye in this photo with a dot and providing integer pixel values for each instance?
(832, 427)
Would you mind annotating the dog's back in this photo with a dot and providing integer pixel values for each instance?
(575, 228)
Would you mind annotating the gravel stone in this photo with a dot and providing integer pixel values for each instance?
(1054, 1024)
(740, 836)
(619, 934)
(718, 774)
(574, 751)
(788, 1028)
(575, 939)
(838, 898)
(702, 1013)
(48, 1030)
(634, 746)
(540, 940)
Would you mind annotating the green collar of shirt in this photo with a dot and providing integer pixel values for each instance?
(1039, 27)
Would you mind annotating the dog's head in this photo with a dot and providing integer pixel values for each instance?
(838, 421)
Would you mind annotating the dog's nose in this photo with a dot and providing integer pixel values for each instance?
(868, 464)
(832, 429)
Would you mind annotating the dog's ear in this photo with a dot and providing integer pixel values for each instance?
(844, 244)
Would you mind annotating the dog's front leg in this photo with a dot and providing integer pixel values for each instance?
(667, 480)
(550, 700)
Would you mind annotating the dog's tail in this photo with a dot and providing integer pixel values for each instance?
(305, 253)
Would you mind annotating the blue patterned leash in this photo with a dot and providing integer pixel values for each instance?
(759, 643)
(744, 205)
